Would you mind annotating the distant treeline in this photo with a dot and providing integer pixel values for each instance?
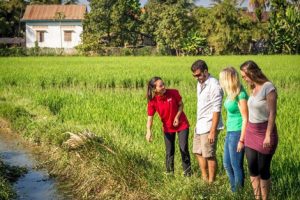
(178, 27)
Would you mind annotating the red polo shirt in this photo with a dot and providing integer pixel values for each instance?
(167, 107)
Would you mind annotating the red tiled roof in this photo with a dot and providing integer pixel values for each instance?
(49, 12)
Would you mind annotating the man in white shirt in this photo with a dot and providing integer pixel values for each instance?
(209, 120)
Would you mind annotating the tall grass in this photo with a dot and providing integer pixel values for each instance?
(107, 96)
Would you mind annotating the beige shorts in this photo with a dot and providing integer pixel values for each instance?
(202, 146)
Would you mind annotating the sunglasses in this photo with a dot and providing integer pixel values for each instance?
(197, 75)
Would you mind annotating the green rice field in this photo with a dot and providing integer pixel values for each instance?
(46, 97)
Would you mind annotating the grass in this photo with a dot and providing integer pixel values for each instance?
(8, 175)
(45, 98)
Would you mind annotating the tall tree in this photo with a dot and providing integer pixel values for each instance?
(285, 27)
(173, 27)
(11, 13)
(162, 18)
(257, 6)
(225, 27)
(111, 23)
(126, 22)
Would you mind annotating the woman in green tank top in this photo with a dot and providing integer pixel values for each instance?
(237, 117)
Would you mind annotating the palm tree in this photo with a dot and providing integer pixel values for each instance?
(257, 6)
(59, 16)
(254, 4)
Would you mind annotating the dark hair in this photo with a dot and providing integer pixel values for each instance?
(199, 64)
(252, 70)
(151, 87)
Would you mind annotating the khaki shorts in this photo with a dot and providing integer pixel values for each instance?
(202, 146)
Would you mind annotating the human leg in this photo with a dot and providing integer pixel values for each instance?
(170, 150)
(236, 159)
(252, 159)
(264, 169)
(203, 166)
(197, 150)
(209, 153)
(184, 150)
(212, 169)
(265, 188)
(227, 163)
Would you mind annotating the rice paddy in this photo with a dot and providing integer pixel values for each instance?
(46, 97)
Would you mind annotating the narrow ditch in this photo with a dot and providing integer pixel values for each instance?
(36, 184)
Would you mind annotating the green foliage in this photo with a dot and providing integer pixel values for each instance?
(284, 27)
(16, 114)
(9, 174)
(227, 29)
(154, 10)
(194, 44)
(125, 19)
(230, 34)
(6, 190)
(173, 27)
(55, 103)
(110, 23)
(11, 13)
(12, 51)
(150, 18)
(168, 24)
(258, 6)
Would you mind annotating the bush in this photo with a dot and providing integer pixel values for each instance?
(122, 51)
(35, 51)
(13, 51)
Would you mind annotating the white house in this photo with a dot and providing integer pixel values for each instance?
(54, 26)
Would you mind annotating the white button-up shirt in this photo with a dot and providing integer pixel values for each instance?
(209, 96)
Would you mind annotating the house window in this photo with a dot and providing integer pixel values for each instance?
(40, 36)
(68, 36)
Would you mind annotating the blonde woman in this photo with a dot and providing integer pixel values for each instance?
(237, 117)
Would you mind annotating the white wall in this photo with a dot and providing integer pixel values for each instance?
(54, 35)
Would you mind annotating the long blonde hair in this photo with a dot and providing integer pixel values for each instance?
(230, 82)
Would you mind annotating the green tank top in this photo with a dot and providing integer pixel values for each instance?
(234, 117)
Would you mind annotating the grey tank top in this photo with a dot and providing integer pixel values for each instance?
(257, 105)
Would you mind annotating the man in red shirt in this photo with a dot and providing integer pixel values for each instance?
(168, 104)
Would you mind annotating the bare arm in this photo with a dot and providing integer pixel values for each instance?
(217, 96)
(149, 126)
(244, 112)
(176, 119)
(213, 129)
(272, 105)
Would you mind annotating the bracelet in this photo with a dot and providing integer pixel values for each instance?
(241, 141)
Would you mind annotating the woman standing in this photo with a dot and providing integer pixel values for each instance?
(237, 117)
(261, 133)
(168, 104)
